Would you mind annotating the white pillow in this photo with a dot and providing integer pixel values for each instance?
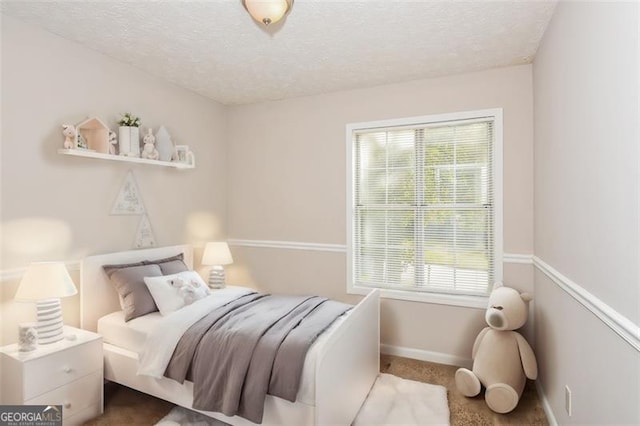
(172, 292)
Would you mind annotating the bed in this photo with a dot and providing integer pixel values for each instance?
(340, 368)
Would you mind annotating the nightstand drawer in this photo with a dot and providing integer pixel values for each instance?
(73, 397)
(59, 368)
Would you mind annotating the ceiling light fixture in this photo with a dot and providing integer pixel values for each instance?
(267, 11)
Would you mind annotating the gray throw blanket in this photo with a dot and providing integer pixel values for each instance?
(252, 346)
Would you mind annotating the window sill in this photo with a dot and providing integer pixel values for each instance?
(477, 302)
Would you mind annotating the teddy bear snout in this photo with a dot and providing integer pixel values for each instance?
(495, 320)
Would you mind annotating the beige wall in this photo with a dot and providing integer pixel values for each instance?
(586, 207)
(47, 81)
(276, 171)
(287, 171)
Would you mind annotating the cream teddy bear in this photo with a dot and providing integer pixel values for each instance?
(502, 358)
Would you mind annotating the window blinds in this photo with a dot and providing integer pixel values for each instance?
(423, 209)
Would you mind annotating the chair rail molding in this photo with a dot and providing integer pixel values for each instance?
(620, 324)
(525, 259)
(342, 248)
(17, 273)
(290, 245)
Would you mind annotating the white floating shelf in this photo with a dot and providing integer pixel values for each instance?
(93, 154)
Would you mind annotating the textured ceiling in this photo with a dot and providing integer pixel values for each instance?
(215, 49)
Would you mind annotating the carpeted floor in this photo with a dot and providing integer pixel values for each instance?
(466, 411)
(124, 406)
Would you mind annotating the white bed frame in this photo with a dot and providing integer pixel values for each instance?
(346, 368)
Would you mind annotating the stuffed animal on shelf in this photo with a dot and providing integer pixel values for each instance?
(113, 141)
(69, 132)
(502, 358)
(149, 151)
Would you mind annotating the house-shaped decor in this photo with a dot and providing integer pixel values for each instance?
(95, 133)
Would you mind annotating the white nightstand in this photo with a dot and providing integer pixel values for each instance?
(67, 373)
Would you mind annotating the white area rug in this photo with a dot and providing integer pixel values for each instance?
(396, 401)
(392, 401)
(180, 416)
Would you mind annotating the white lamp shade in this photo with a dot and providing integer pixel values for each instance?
(267, 11)
(45, 280)
(217, 253)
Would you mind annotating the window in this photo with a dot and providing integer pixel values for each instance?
(425, 208)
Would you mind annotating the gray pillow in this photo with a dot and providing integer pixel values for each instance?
(169, 265)
(172, 267)
(129, 283)
(110, 269)
(179, 256)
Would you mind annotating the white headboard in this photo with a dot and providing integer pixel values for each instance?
(98, 296)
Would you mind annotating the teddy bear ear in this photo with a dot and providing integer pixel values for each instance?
(526, 297)
(498, 284)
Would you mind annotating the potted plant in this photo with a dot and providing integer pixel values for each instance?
(129, 135)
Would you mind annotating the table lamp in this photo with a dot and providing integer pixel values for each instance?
(45, 283)
(217, 254)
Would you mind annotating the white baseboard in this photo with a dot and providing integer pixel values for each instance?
(545, 404)
(422, 355)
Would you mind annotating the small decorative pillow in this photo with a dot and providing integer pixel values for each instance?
(173, 292)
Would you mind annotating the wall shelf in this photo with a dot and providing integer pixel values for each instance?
(92, 154)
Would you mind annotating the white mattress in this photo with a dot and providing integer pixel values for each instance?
(132, 335)
(128, 335)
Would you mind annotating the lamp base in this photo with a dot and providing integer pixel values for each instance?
(216, 277)
(49, 326)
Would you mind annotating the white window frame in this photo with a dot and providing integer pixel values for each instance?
(494, 114)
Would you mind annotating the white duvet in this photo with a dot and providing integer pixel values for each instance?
(162, 341)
